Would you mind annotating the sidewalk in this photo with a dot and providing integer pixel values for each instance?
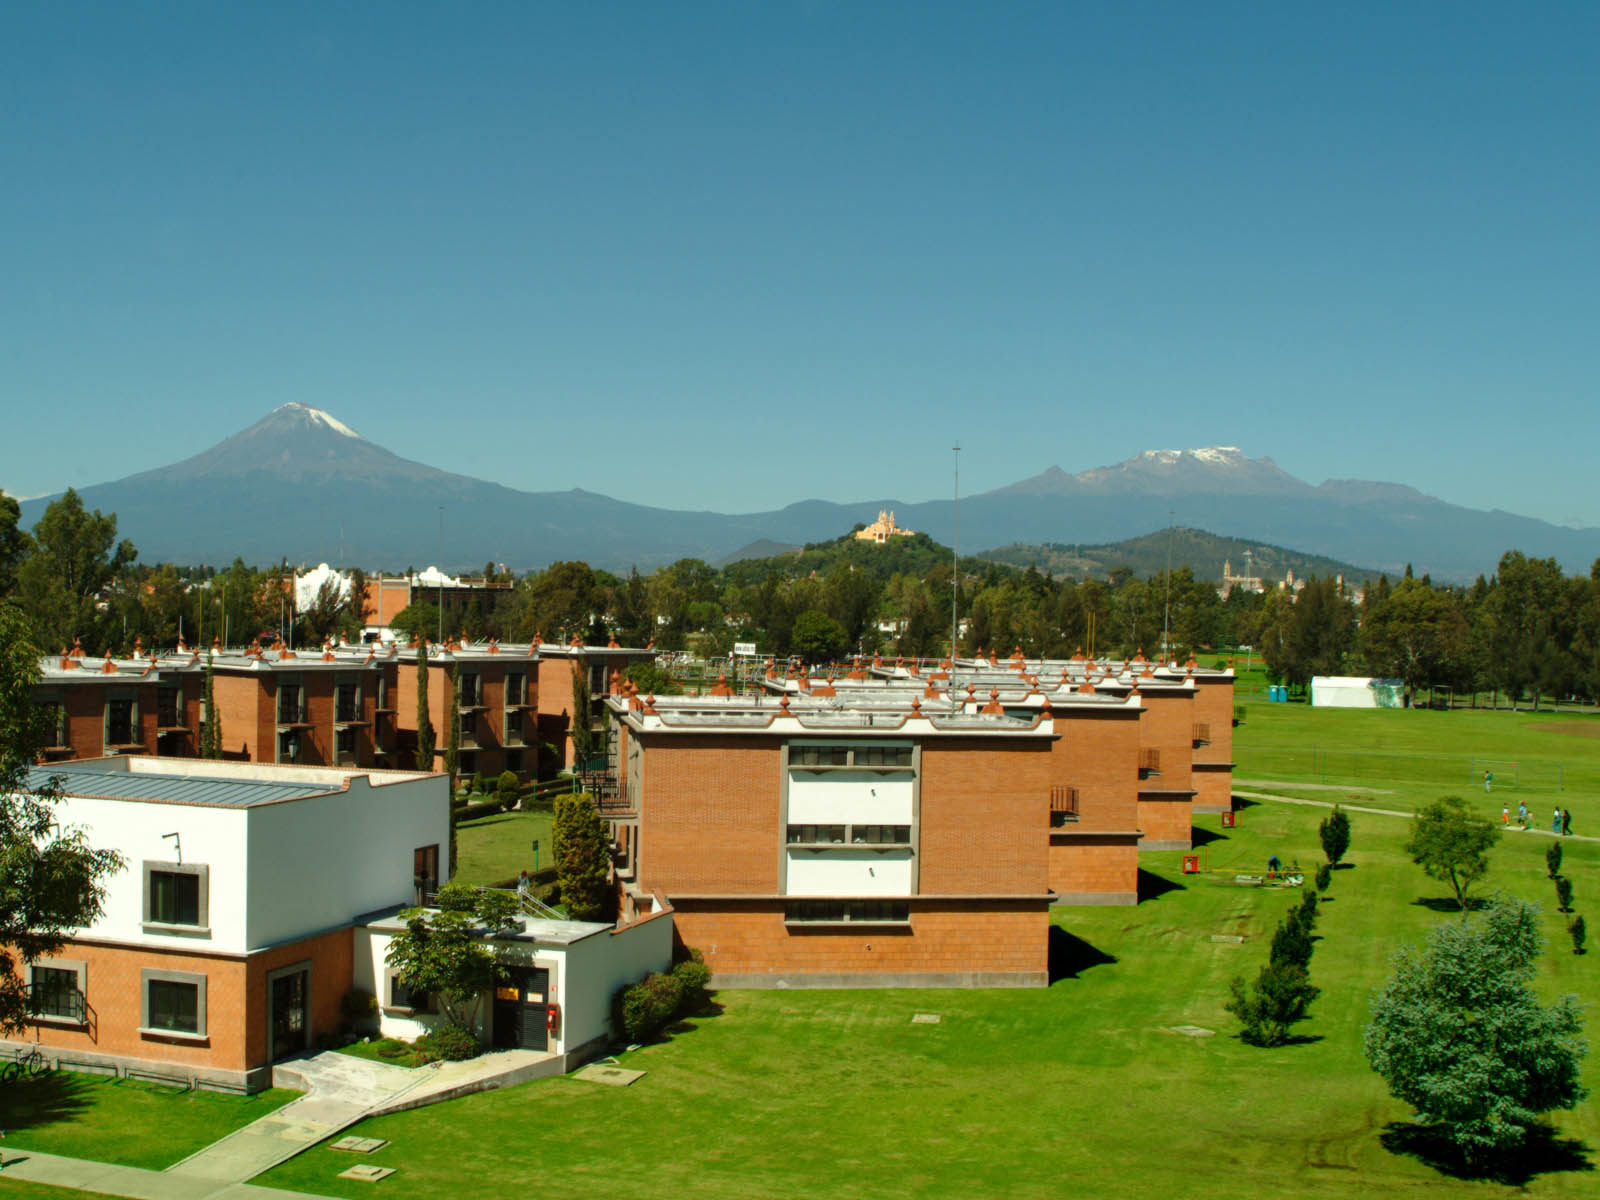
(112, 1180)
(340, 1090)
(1387, 812)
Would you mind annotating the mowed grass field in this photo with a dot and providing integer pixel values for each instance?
(1084, 1087)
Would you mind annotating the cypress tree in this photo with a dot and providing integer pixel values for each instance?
(583, 857)
(583, 739)
(452, 735)
(211, 731)
(424, 721)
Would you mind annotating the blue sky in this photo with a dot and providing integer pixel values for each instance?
(735, 255)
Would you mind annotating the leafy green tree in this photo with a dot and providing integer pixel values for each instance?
(416, 620)
(51, 880)
(1417, 633)
(442, 952)
(1267, 1009)
(1460, 1036)
(424, 718)
(583, 857)
(77, 556)
(1335, 834)
(818, 637)
(1452, 843)
(14, 543)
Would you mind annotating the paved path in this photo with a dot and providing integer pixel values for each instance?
(1387, 812)
(112, 1180)
(1314, 787)
(340, 1090)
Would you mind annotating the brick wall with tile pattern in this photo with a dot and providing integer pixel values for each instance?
(985, 815)
(942, 937)
(709, 820)
(1091, 866)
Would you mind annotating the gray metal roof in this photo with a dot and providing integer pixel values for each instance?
(89, 779)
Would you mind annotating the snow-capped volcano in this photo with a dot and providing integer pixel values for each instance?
(1213, 469)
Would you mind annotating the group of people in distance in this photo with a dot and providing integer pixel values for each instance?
(1560, 818)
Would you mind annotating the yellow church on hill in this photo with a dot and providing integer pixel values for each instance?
(881, 530)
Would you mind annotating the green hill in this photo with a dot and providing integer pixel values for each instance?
(1203, 553)
(916, 554)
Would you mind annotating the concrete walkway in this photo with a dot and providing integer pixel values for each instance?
(340, 1090)
(1386, 812)
(112, 1180)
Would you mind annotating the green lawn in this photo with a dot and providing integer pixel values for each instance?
(135, 1124)
(1082, 1087)
(16, 1189)
(493, 849)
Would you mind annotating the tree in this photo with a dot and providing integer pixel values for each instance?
(441, 952)
(1552, 859)
(583, 740)
(211, 731)
(77, 556)
(1452, 844)
(51, 880)
(14, 543)
(583, 857)
(1335, 834)
(1458, 1034)
(1279, 998)
(424, 719)
(817, 637)
(452, 732)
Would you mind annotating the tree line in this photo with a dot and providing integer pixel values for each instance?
(1527, 630)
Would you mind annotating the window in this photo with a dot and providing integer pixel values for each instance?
(122, 720)
(400, 996)
(1201, 734)
(347, 703)
(344, 745)
(514, 761)
(177, 896)
(1149, 763)
(383, 692)
(54, 715)
(55, 991)
(289, 746)
(870, 757)
(466, 761)
(291, 704)
(516, 689)
(425, 872)
(169, 707)
(877, 835)
(846, 912)
(470, 690)
(174, 1003)
(817, 834)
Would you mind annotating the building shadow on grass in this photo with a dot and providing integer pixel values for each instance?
(1240, 803)
(1204, 837)
(1070, 955)
(1152, 886)
(1544, 1153)
(42, 1100)
(689, 1022)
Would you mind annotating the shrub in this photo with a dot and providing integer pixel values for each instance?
(1306, 910)
(694, 977)
(391, 1048)
(1564, 893)
(358, 1009)
(1552, 859)
(1577, 932)
(1239, 712)
(1324, 876)
(506, 789)
(453, 1043)
(1278, 998)
(1335, 834)
(647, 1007)
(1291, 943)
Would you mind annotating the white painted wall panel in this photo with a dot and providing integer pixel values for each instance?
(846, 797)
(849, 873)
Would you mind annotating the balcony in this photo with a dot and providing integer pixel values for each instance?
(1063, 805)
(1149, 763)
(1201, 735)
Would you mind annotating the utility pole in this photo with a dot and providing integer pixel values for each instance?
(1166, 602)
(955, 554)
(440, 568)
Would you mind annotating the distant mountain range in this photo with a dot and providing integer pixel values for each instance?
(302, 485)
(1204, 553)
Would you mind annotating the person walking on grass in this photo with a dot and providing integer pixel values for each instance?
(1566, 822)
(1488, 779)
(1522, 815)
(1505, 815)
(1555, 821)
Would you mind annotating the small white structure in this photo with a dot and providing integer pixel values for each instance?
(1356, 691)
(556, 992)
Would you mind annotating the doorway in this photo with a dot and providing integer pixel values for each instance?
(289, 1010)
(521, 1010)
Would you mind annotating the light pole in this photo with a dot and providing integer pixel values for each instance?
(440, 568)
(955, 552)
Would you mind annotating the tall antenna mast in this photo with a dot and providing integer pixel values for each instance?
(1166, 601)
(955, 553)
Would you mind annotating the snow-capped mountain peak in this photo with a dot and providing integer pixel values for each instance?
(317, 417)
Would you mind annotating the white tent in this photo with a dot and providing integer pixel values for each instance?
(1356, 691)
